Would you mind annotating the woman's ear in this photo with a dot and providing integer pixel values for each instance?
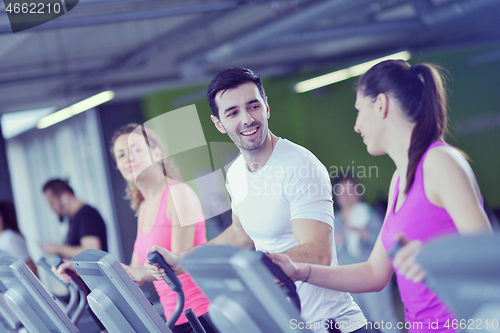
(157, 154)
(382, 105)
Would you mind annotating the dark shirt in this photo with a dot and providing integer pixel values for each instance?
(87, 222)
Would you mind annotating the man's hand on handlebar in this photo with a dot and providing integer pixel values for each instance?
(135, 274)
(60, 271)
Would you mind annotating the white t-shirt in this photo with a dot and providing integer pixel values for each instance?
(293, 184)
(13, 243)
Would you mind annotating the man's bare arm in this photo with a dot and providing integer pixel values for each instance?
(234, 235)
(315, 242)
(69, 251)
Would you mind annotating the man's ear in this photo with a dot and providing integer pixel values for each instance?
(218, 124)
(382, 105)
(268, 110)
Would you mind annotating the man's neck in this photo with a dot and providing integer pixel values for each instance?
(74, 207)
(258, 158)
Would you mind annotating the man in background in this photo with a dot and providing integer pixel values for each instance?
(87, 229)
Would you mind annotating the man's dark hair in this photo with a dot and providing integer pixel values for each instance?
(229, 79)
(58, 186)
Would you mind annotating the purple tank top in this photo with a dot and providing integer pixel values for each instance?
(418, 218)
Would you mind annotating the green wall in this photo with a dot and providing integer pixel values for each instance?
(322, 120)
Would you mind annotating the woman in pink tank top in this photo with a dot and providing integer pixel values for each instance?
(433, 192)
(169, 214)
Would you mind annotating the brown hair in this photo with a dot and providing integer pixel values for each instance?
(153, 141)
(8, 214)
(421, 93)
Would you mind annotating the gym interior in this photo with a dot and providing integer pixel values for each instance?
(100, 65)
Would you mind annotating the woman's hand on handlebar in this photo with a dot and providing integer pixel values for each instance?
(295, 271)
(171, 259)
(405, 260)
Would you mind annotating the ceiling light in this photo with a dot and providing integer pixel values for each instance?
(345, 74)
(75, 109)
(15, 123)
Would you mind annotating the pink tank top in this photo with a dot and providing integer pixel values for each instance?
(419, 219)
(161, 234)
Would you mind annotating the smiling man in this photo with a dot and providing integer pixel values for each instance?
(281, 196)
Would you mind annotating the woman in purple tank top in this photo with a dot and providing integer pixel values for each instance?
(433, 192)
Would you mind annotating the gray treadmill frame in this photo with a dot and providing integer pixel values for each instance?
(115, 298)
(30, 301)
(222, 272)
(464, 271)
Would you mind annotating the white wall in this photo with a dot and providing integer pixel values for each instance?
(71, 149)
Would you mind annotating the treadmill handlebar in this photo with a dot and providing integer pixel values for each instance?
(170, 278)
(43, 263)
(77, 280)
(291, 288)
(287, 284)
(395, 249)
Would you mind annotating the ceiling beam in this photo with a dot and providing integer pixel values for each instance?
(129, 16)
(141, 53)
(456, 9)
(292, 22)
(345, 32)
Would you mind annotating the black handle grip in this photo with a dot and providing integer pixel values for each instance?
(171, 279)
(395, 249)
(194, 321)
(290, 287)
(77, 280)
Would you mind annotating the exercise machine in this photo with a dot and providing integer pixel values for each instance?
(464, 271)
(28, 299)
(241, 285)
(115, 298)
(176, 285)
(8, 319)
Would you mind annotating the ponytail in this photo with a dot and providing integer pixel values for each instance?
(431, 124)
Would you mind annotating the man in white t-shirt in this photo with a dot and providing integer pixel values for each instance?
(280, 192)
